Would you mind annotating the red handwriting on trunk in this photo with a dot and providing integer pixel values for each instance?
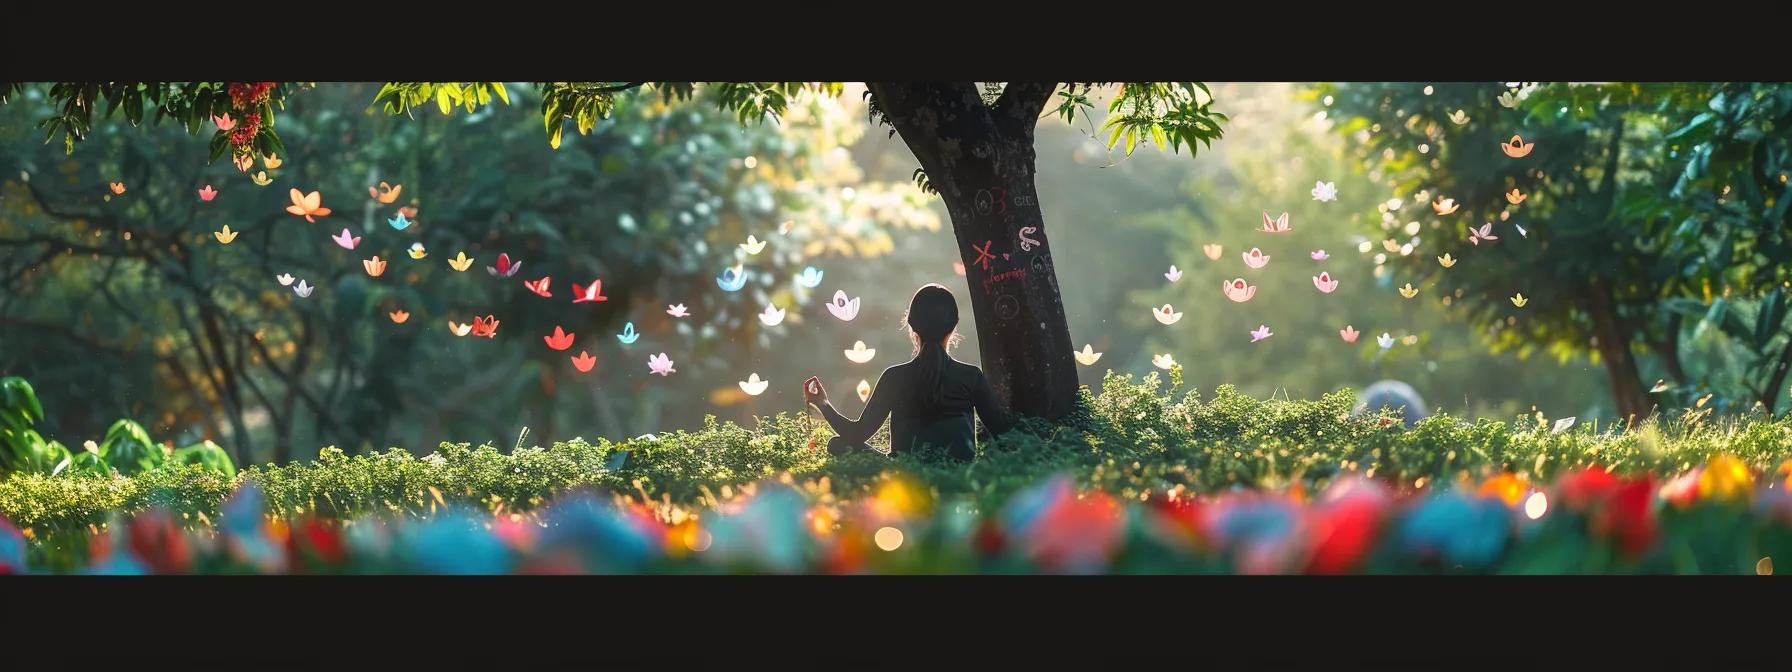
(1019, 273)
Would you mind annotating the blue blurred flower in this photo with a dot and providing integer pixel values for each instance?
(1029, 505)
(607, 539)
(770, 531)
(1470, 531)
(117, 560)
(454, 543)
(1254, 521)
(12, 549)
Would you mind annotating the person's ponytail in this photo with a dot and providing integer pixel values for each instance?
(932, 319)
(931, 363)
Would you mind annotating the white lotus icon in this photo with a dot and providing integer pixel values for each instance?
(753, 385)
(844, 308)
(1166, 315)
(772, 315)
(859, 354)
(1087, 356)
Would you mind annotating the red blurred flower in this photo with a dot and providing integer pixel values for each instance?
(1341, 537)
(1623, 508)
(1683, 490)
(155, 538)
(1077, 535)
(518, 535)
(847, 551)
(1345, 527)
(1586, 487)
(1631, 515)
(988, 539)
(1183, 513)
(317, 539)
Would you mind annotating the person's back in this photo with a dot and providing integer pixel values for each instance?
(963, 390)
(930, 399)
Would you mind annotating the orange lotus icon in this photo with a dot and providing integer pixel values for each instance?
(375, 266)
(398, 316)
(385, 193)
(307, 205)
(1517, 148)
(559, 340)
(486, 326)
(584, 362)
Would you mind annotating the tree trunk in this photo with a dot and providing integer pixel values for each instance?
(980, 159)
(1614, 337)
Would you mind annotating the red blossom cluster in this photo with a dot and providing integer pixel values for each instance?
(247, 98)
(246, 95)
(244, 133)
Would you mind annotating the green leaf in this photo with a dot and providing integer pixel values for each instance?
(275, 144)
(1773, 312)
(133, 106)
(503, 95)
(220, 145)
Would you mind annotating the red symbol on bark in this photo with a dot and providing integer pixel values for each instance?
(983, 255)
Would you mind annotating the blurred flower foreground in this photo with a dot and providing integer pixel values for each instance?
(1719, 517)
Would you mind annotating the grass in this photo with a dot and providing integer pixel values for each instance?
(1131, 439)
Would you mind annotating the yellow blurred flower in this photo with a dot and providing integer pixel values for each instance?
(899, 498)
(1726, 477)
(1509, 488)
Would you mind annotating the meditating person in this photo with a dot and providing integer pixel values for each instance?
(929, 399)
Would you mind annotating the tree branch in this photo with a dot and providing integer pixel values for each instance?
(1018, 109)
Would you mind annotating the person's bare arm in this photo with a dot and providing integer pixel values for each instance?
(877, 409)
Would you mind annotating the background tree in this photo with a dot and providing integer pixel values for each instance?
(1603, 257)
(662, 197)
(974, 144)
(1275, 152)
(1729, 151)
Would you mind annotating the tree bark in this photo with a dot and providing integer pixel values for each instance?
(980, 159)
(1614, 335)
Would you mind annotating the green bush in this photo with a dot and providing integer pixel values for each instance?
(207, 455)
(126, 448)
(21, 447)
(1132, 439)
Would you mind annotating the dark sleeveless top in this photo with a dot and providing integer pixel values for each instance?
(965, 391)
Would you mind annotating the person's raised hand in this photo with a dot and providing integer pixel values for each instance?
(813, 392)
